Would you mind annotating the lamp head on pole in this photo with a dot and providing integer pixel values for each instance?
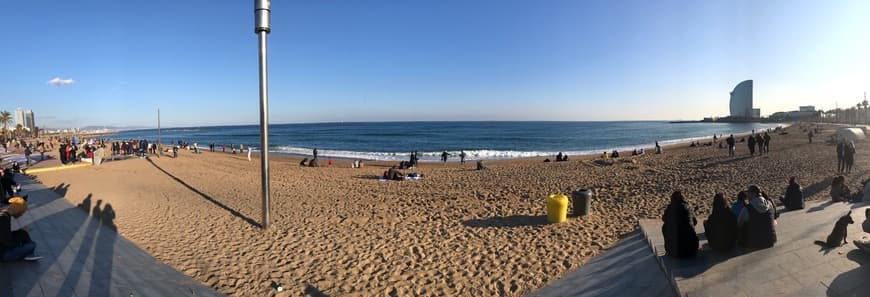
(261, 16)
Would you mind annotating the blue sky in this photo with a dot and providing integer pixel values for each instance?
(426, 60)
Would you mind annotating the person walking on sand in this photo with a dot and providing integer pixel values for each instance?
(444, 156)
(849, 156)
(249, 153)
(315, 153)
(766, 142)
(759, 142)
(751, 143)
(15, 245)
(462, 157)
(27, 153)
(658, 148)
(841, 149)
(730, 142)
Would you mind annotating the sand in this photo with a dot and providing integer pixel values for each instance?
(339, 231)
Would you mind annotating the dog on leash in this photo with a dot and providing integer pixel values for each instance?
(838, 235)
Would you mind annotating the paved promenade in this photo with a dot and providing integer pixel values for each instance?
(629, 268)
(795, 266)
(84, 255)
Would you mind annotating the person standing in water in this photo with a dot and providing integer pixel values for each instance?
(444, 156)
(462, 157)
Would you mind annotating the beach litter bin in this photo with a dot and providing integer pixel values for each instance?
(557, 208)
(582, 200)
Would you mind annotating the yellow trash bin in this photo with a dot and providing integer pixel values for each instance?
(557, 208)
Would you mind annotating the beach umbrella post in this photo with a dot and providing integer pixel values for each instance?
(261, 28)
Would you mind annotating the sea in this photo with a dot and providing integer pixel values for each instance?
(390, 141)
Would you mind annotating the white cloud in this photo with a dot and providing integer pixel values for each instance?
(58, 82)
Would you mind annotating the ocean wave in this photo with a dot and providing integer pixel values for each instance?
(483, 154)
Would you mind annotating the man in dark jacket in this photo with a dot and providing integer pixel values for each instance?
(757, 221)
(15, 245)
(841, 152)
(681, 241)
(759, 142)
(751, 143)
(730, 142)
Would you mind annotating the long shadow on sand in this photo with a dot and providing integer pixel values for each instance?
(507, 222)
(206, 197)
(704, 165)
(815, 188)
(820, 206)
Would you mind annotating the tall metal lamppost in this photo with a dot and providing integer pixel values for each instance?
(261, 28)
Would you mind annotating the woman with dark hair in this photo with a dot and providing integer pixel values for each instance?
(721, 226)
(840, 192)
(794, 195)
(679, 228)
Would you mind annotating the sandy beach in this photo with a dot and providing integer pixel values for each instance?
(339, 231)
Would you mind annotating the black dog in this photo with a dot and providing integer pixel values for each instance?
(838, 235)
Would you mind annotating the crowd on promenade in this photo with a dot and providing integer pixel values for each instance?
(749, 222)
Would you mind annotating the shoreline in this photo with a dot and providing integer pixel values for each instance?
(434, 157)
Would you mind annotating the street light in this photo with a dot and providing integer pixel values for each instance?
(261, 28)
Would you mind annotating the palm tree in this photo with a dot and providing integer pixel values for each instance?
(864, 104)
(19, 130)
(5, 118)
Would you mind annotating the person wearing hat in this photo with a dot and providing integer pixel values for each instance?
(15, 245)
(757, 221)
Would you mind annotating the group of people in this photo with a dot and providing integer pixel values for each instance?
(840, 192)
(749, 222)
(756, 141)
(14, 244)
(845, 156)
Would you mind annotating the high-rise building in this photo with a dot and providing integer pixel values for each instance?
(29, 121)
(19, 117)
(25, 119)
(741, 101)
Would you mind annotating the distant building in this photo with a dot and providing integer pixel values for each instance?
(805, 113)
(19, 117)
(741, 101)
(29, 121)
(25, 119)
